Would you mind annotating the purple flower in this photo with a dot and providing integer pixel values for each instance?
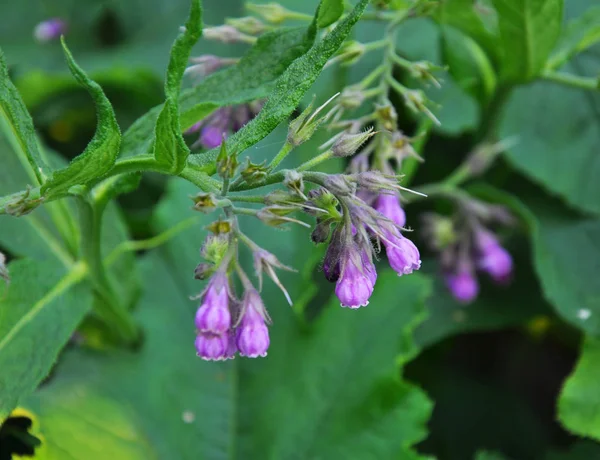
(357, 279)
(463, 284)
(212, 347)
(50, 30)
(231, 345)
(252, 337)
(213, 316)
(388, 204)
(402, 253)
(211, 136)
(492, 257)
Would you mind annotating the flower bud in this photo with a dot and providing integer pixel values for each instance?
(21, 203)
(254, 173)
(204, 202)
(293, 181)
(214, 316)
(321, 232)
(270, 12)
(403, 255)
(226, 34)
(303, 126)
(492, 257)
(387, 116)
(388, 204)
(212, 136)
(219, 227)
(252, 335)
(347, 144)
(462, 284)
(215, 247)
(351, 98)
(226, 163)
(339, 184)
(204, 65)
(351, 52)
(50, 30)
(357, 279)
(281, 197)
(247, 25)
(277, 215)
(212, 347)
(416, 101)
(423, 70)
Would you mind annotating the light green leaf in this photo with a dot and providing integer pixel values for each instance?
(529, 30)
(468, 64)
(38, 313)
(289, 90)
(579, 401)
(329, 12)
(581, 33)
(16, 122)
(102, 151)
(170, 149)
(559, 152)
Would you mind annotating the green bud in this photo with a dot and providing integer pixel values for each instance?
(277, 215)
(219, 227)
(254, 173)
(293, 181)
(322, 198)
(204, 202)
(347, 144)
(226, 164)
(215, 247)
(281, 197)
(270, 12)
(351, 52)
(303, 127)
(387, 116)
(247, 25)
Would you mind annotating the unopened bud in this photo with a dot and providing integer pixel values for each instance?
(204, 202)
(277, 215)
(254, 173)
(321, 232)
(281, 197)
(351, 52)
(270, 12)
(293, 181)
(219, 227)
(215, 247)
(387, 116)
(423, 70)
(323, 200)
(247, 25)
(416, 101)
(226, 164)
(347, 144)
(351, 98)
(303, 126)
(339, 184)
(21, 203)
(50, 30)
(204, 271)
(226, 34)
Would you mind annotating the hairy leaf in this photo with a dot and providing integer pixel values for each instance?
(289, 90)
(579, 401)
(38, 313)
(17, 123)
(170, 149)
(329, 12)
(529, 30)
(102, 151)
(580, 33)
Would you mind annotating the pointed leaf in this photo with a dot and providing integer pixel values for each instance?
(102, 151)
(329, 12)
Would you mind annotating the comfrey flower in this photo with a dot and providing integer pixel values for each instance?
(356, 279)
(462, 283)
(491, 257)
(50, 30)
(214, 315)
(222, 123)
(252, 334)
(212, 347)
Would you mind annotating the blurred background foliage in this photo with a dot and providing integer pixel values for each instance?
(415, 368)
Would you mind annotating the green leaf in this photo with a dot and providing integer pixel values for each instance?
(326, 390)
(487, 455)
(529, 30)
(468, 64)
(579, 401)
(580, 34)
(559, 152)
(38, 313)
(102, 151)
(250, 79)
(17, 123)
(170, 149)
(289, 90)
(329, 12)
(580, 450)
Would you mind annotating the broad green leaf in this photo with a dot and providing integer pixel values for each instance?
(289, 90)
(468, 64)
(16, 122)
(473, 21)
(529, 30)
(250, 79)
(329, 12)
(38, 313)
(580, 33)
(579, 401)
(488, 455)
(559, 152)
(170, 149)
(102, 151)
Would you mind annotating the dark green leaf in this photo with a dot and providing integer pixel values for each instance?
(102, 151)
(329, 12)
(16, 122)
(289, 90)
(468, 64)
(580, 33)
(38, 313)
(580, 450)
(579, 402)
(487, 455)
(558, 151)
(529, 30)
(170, 149)
(252, 78)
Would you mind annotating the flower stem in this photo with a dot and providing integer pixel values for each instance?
(590, 84)
(109, 306)
(285, 150)
(315, 161)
